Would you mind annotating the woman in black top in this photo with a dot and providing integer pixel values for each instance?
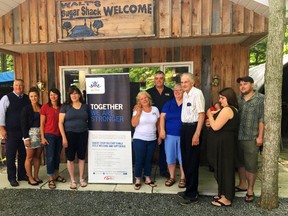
(30, 126)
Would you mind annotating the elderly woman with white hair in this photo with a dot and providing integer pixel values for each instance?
(145, 119)
(170, 131)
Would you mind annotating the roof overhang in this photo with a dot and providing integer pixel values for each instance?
(8, 5)
(134, 43)
(258, 6)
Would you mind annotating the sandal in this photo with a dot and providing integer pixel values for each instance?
(218, 203)
(249, 197)
(51, 184)
(137, 186)
(182, 183)
(73, 185)
(151, 184)
(169, 182)
(60, 179)
(238, 189)
(83, 183)
(216, 197)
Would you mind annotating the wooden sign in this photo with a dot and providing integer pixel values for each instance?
(105, 19)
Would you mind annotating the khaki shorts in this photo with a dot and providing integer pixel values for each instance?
(247, 155)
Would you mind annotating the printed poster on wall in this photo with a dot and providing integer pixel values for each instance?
(109, 145)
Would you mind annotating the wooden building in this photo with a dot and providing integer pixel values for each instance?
(213, 35)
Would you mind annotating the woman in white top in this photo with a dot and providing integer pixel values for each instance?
(145, 119)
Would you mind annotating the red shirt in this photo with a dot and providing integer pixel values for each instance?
(51, 119)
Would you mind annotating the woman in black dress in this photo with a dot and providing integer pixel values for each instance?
(223, 134)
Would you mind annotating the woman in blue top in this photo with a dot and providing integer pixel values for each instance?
(170, 127)
(73, 125)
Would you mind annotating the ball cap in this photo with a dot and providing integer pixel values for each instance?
(245, 79)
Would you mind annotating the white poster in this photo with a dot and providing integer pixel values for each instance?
(109, 154)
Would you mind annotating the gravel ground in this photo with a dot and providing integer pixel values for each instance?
(48, 202)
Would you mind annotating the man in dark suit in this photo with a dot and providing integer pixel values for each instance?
(10, 129)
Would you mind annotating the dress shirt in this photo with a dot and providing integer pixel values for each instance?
(4, 104)
(193, 104)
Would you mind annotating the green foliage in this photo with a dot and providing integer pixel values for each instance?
(258, 51)
(143, 75)
(6, 62)
(286, 41)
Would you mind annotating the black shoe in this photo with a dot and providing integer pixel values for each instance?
(39, 181)
(181, 194)
(23, 178)
(189, 201)
(211, 169)
(33, 184)
(14, 183)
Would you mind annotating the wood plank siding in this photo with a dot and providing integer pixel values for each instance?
(36, 22)
(231, 64)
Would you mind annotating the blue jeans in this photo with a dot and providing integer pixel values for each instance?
(53, 153)
(144, 151)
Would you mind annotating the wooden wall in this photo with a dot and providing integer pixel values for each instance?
(227, 61)
(36, 21)
(185, 18)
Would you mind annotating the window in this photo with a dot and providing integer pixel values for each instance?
(141, 75)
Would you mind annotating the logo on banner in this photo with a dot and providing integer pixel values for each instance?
(95, 85)
(108, 178)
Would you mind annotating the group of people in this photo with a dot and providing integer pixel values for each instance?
(174, 120)
(27, 127)
(171, 119)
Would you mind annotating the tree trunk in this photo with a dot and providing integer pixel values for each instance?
(273, 100)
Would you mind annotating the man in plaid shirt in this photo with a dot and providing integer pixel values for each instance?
(250, 137)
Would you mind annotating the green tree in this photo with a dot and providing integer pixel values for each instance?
(258, 51)
(6, 62)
